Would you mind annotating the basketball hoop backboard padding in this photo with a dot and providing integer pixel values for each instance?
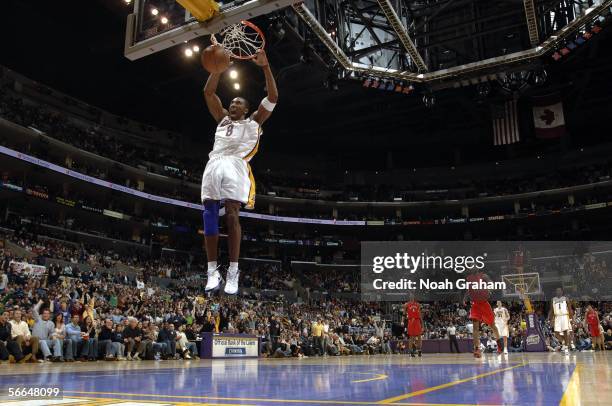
(202, 10)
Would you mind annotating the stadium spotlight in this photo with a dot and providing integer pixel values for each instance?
(128, 1)
(237, 86)
(483, 90)
(233, 74)
(188, 53)
(154, 11)
(539, 77)
(164, 20)
(196, 48)
(429, 99)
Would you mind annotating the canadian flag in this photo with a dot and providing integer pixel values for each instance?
(548, 116)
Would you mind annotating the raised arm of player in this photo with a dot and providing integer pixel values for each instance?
(212, 100)
(264, 111)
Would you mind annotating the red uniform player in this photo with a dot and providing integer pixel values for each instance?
(415, 326)
(592, 321)
(480, 310)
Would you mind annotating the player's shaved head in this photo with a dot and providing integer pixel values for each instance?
(245, 102)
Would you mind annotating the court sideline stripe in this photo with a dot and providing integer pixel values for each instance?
(147, 402)
(445, 385)
(149, 395)
(571, 396)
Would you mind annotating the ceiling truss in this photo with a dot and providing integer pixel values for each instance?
(432, 41)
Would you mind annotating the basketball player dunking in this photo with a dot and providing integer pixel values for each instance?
(501, 322)
(561, 312)
(415, 326)
(480, 310)
(228, 177)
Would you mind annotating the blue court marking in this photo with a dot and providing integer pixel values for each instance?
(533, 384)
(261, 383)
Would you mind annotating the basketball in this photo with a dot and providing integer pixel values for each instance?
(215, 59)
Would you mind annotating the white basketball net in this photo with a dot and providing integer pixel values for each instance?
(241, 40)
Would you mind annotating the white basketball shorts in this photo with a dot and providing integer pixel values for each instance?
(562, 323)
(502, 328)
(228, 178)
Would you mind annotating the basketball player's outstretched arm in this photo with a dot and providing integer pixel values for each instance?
(212, 100)
(262, 113)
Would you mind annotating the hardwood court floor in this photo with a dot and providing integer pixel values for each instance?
(434, 379)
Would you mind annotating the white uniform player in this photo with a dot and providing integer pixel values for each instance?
(562, 326)
(561, 312)
(227, 177)
(502, 316)
(228, 174)
(501, 321)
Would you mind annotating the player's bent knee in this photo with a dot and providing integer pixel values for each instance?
(211, 218)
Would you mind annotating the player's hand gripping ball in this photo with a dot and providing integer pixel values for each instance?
(215, 59)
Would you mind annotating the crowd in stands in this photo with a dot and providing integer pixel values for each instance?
(313, 187)
(102, 141)
(74, 313)
(335, 280)
(95, 138)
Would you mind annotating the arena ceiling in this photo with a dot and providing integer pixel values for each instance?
(78, 49)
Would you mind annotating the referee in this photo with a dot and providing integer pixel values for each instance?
(452, 336)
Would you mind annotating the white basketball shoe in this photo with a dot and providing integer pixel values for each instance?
(214, 279)
(231, 285)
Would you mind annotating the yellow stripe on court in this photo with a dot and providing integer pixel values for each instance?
(119, 401)
(446, 385)
(571, 396)
(378, 377)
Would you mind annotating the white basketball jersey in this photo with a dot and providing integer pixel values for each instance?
(238, 139)
(500, 314)
(560, 306)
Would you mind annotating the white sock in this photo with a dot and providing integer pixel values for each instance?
(212, 265)
(233, 266)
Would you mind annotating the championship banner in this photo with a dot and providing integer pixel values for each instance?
(28, 269)
(216, 345)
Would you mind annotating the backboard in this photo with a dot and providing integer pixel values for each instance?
(521, 285)
(156, 25)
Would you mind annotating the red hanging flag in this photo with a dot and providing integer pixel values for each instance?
(548, 117)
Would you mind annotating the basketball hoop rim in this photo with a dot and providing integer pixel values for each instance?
(214, 40)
